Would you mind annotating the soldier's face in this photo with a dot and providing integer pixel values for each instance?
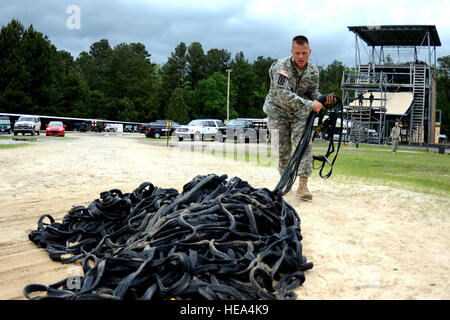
(301, 54)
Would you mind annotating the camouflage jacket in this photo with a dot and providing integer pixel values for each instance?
(291, 91)
(395, 133)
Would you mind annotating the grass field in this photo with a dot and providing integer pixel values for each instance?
(412, 169)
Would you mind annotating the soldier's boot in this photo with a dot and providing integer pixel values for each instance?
(302, 191)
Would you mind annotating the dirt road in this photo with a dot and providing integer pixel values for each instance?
(366, 241)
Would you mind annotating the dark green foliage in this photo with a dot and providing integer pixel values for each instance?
(196, 63)
(443, 93)
(74, 96)
(27, 70)
(177, 109)
(172, 75)
(211, 97)
(251, 91)
(261, 67)
(217, 61)
(330, 78)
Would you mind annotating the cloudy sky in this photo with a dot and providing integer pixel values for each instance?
(255, 27)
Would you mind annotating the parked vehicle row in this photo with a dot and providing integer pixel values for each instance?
(241, 130)
(31, 125)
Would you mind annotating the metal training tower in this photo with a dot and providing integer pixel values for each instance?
(379, 91)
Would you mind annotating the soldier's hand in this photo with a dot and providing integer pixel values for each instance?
(330, 99)
(317, 106)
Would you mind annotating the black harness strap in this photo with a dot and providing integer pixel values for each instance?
(289, 175)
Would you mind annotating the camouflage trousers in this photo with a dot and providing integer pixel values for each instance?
(283, 132)
(394, 145)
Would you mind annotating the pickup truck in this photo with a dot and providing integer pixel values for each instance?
(160, 128)
(27, 124)
(240, 130)
(245, 130)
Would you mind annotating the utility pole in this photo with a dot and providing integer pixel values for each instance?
(228, 96)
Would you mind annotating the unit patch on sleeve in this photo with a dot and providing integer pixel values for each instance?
(284, 75)
(281, 80)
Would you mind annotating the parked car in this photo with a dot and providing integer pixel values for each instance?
(160, 128)
(78, 126)
(27, 124)
(131, 128)
(55, 128)
(240, 130)
(5, 125)
(200, 129)
(110, 128)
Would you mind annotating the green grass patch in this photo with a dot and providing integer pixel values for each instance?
(13, 146)
(411, 168)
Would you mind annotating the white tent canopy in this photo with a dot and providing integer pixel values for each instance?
(397, 103)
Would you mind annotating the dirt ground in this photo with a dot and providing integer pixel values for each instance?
(366, 241)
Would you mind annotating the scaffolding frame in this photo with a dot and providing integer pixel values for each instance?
(364, 119)
(377, 76)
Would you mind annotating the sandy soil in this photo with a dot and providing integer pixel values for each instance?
(366, 241)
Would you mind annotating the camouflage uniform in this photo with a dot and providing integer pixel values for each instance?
(287, 105)
(395, 135)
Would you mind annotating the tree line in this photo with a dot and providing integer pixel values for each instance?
(122, 83)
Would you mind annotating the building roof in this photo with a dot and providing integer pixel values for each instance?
(397, 35)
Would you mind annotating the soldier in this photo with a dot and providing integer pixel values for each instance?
(395, 135)
(294, 83)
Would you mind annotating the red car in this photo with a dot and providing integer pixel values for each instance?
(55, 128)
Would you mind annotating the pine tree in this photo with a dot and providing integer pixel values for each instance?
(177, 109)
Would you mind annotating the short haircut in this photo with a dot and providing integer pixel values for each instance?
(300, 40)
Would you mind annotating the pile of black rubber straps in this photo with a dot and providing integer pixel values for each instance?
(217, 239)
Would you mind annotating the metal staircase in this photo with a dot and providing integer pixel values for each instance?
(417, 112)
(360, 117)
(363, 72)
